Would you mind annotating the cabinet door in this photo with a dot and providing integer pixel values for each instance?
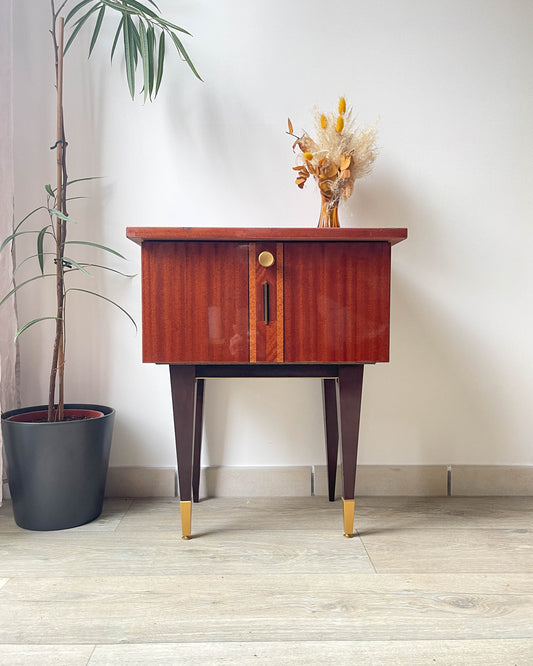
(195, 302)
(337, 302)
(266, 302)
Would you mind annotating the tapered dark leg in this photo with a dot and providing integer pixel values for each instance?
(331, 427)
(197, 440)
(350, 392)
(182, 382)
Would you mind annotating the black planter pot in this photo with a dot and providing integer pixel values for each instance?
(57, 471)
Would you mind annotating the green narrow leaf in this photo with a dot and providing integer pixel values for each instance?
(60, 215)
(160, 62)
(49, 190)
(78, 26)
(79, 180)
(97, 28)
(32, 256)
(14, 235)
(79, 267)
(24, 220)
(150, 35)
(10, 238)
(112, 270)
(117, 35)
(40, 249)
(136, 41)
(93, 293)
(184, 54)
(129, 46)
(31, 323)
(123, 9)
(143, 9)
(76, 9)
(173, 26)
(145, 55)
(100, 247)
(22, 284)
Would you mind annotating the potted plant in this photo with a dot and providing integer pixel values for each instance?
(57, 454)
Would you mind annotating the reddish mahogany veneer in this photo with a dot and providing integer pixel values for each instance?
(140, 234)
(337, 302)
(204, 295)
(195, 302)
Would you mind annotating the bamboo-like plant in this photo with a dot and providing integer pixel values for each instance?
(144, 34)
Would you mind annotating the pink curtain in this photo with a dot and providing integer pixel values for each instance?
(8, 318)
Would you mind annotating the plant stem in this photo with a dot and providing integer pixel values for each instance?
(58, 356)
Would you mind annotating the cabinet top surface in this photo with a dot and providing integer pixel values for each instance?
(282, 234)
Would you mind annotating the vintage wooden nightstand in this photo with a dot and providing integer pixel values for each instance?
(272, 302)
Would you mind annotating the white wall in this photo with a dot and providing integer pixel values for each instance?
(451, 84)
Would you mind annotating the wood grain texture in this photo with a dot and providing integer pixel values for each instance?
(264, 607)
(506, 652)
(337, 302)
(503, 652)
(434, 550)
(384, 515)
(195, 302)
(252, 301)
(46, 655)
(142, 234)
(280, 304)
(164, 554)
(274, 580)
(266, 335)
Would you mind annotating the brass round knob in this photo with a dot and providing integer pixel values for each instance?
(266, 259)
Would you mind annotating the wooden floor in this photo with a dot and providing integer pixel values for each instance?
(425, 581)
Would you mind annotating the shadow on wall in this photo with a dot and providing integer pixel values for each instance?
(438, 401)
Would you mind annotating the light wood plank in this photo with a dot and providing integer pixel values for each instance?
(122, 609)
(281, 513)
(316, 513)
(444, 512)
(46, 655)
(315, 653)
(113, 512)
(223, 552)
(453, 550)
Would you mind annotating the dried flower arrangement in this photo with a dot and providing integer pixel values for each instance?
(340, 154)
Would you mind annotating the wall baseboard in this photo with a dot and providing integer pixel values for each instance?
(476, 480)
(372, 480)
(304, 481)
(385, 480)
(141, 482)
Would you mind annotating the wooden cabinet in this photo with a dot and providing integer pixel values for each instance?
(210, 300)
(237, 302)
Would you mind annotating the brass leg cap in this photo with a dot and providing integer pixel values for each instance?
(185, 511)
(348, 510)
